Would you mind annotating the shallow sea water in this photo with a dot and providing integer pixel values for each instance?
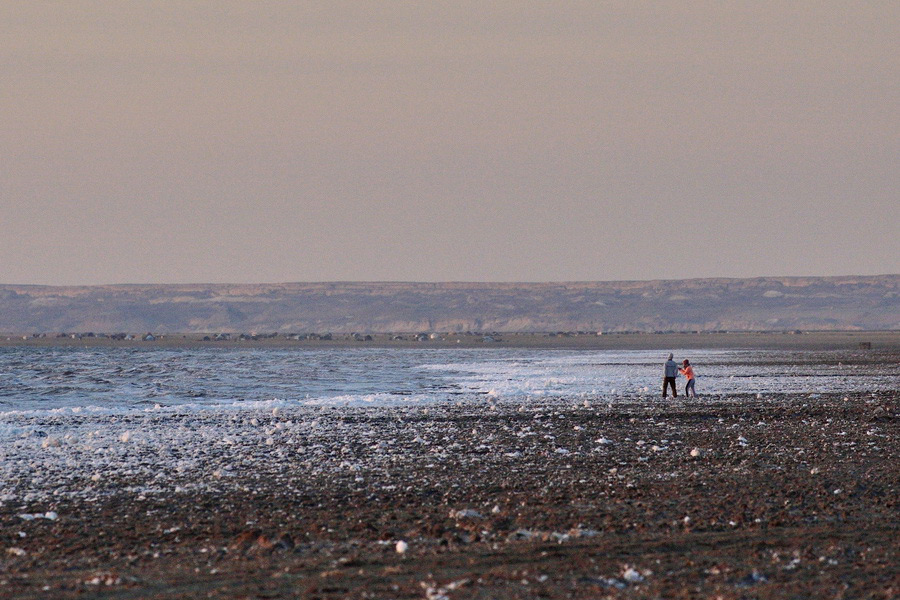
(127, 380)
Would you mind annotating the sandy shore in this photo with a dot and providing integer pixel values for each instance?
(789, 496)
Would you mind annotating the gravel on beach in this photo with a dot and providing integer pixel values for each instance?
(739, 496)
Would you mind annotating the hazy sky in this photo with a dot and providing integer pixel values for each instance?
(226, 141)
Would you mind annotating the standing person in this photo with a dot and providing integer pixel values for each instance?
(671, 372)
(688, 371)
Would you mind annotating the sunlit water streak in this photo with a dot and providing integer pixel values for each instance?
(136, 379)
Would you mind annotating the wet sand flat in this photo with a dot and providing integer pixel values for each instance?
(785, 496)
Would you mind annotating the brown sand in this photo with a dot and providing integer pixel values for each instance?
(786, 497)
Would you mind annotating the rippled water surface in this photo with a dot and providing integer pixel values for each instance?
(135, 379)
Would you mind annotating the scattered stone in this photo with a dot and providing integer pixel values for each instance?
(245, 540)
(466, 513)
(608, 582)
(752, 579)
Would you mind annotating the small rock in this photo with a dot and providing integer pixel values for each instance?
(285, 542)
(401, 547)
(520, 534)
(245, 539)
(609, 582)
(466, 513)
(752, 579)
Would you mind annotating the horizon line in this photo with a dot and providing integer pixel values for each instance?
(448, 281)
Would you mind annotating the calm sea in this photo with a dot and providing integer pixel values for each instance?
(117, 380)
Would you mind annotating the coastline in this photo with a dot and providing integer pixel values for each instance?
(791, 495)
(787, 340)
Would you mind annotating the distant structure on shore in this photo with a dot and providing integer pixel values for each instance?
(759, 304)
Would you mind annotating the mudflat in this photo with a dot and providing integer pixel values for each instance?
(738, 496)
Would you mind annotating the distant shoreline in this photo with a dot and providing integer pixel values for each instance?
(870, 303)
(788, 340)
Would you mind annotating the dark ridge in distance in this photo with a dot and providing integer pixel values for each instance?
(847, 303)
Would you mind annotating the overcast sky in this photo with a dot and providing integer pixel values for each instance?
(234, 141)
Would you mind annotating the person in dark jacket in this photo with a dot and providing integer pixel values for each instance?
(671, 372)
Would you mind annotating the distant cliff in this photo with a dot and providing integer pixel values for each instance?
(771, 303)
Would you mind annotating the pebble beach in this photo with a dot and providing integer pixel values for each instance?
(725, 496)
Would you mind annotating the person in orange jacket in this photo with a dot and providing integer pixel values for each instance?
(688, 371)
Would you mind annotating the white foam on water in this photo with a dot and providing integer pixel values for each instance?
(122, 382)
